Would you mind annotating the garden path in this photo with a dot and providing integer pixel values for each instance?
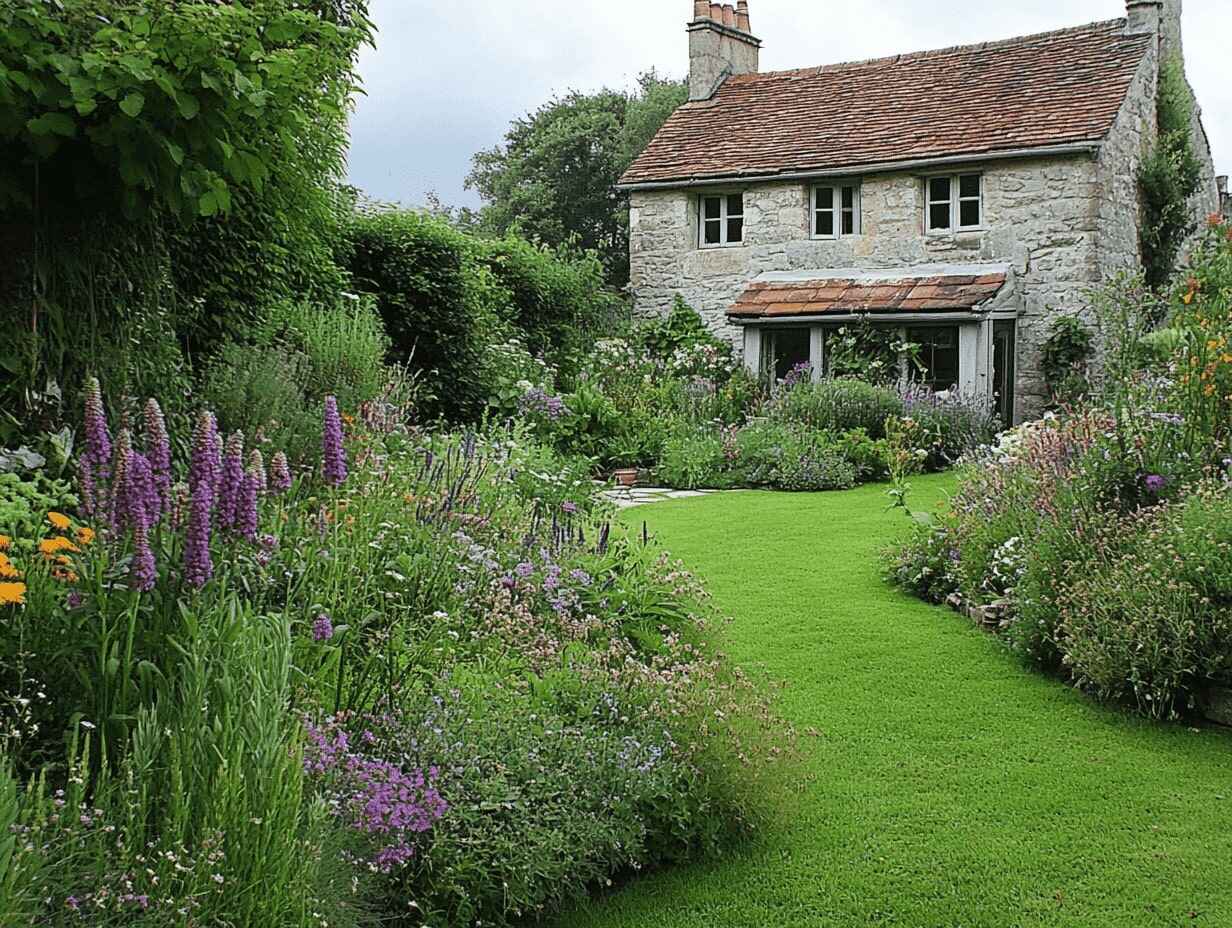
(946, 786)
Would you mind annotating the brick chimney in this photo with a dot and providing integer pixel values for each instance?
(1161, 17)
(721, 44)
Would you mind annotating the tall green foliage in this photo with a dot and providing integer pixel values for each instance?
(1169, 176)
(167, 171)
(553, 178)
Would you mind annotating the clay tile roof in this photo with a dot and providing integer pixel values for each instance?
(886, 292)
(1040, 91)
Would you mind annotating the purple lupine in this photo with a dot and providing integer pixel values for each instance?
(204, 467)
(256, 463)
(203, 476)
(280, 473)
(246, 517)
(158, 451)
(98, 436)
(334, 455)
(322, 628)
(143, 573)
(137, 499)
(232, 483)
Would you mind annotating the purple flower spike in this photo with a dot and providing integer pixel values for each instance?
(280, 473)
(246, 518)
(98, 436)
(322, 628)
(205, 465)
(334, 454)
(158, 451)
(143, 574)
(232, 483)
(256, 463)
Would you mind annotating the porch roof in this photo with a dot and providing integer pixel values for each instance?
(845, 291)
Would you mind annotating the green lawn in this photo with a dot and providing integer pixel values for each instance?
(954, 788)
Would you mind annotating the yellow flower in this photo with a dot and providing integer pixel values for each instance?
(53, 546)
(59, 521)
(12, 594)
(85, 536)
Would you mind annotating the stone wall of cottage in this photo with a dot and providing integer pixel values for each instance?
(1042, 216)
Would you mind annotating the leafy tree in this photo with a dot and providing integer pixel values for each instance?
(553, 179)
(1169, 176)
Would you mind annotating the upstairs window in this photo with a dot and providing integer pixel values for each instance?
(722, 220)
(836, 210)
(955, 203)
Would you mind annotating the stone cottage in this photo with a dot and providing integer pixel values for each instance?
(961, 198)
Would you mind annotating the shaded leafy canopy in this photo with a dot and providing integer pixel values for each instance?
(1169, 176)
(170, 104)
(553, 179)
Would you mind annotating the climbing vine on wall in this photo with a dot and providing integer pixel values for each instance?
(1169, 176)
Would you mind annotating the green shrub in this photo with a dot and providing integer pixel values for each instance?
(695, 458)
(1066, 354)
(441, 310)
(836, 405)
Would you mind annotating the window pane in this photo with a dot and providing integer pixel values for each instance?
(825, 223)
(849, 222)
(825, 197)
(791, 349)
(735, 205)
(970, 213)
(939, 189)
(714, 232)
(849, 197)
(938, 357)
(939, 216)
(969, 185)
(735, 230)
(713, 206)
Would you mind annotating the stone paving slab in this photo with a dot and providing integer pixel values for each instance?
(626, 498)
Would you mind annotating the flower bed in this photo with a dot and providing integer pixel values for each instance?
(1103, 535)
(415, 675)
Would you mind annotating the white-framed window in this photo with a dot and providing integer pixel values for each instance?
(721, 220)
(954, 202)
(836, 209)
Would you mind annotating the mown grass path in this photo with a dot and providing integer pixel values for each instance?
(953, 788)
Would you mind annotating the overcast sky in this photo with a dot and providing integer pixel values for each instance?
(449, 75)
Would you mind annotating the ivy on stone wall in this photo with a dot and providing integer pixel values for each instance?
(1169, 176)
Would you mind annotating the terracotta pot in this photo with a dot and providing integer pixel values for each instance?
(625, 476)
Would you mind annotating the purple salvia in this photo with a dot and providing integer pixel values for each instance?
(246, 518)
(117, 509)
(232, 483)
(137, 499)
(158, 451)
(280, 473)
(256, 463)
(334, 457)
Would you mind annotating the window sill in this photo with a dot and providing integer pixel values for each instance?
(956, 233)
(721, 247)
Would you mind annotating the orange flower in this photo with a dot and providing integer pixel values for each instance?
(5, 542)
(1214, 220)
(64, 576)
(12, 594)
(7, 570)
(59, 521)
(50, 547)
(85, 536)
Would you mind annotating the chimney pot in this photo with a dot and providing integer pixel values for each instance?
(701, 9)
(729, 16)
(716, 12)
(1143, 16)
(742, 17)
